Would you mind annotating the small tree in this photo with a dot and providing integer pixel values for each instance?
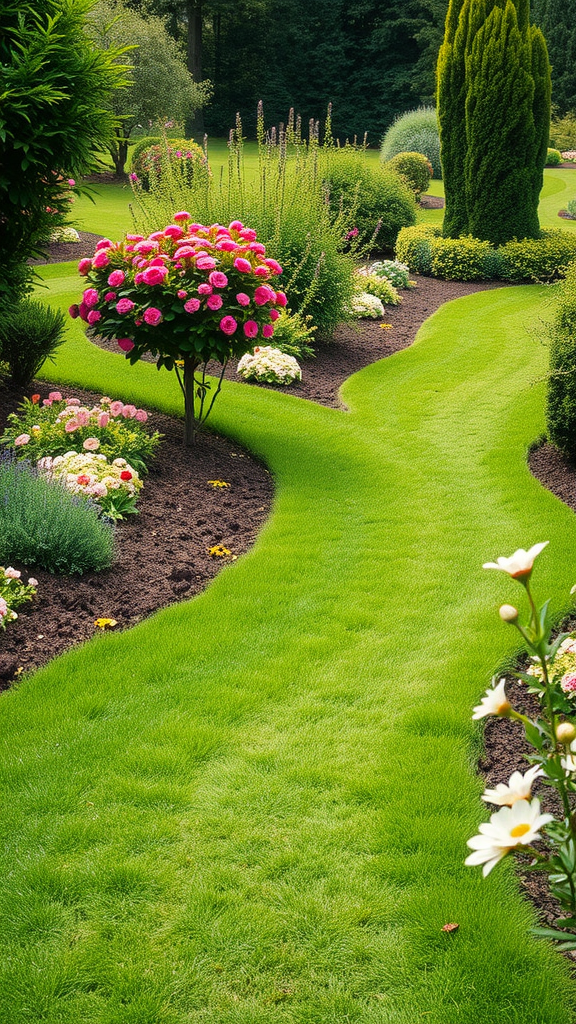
(494, 110)
(54, 118)
(159, 84)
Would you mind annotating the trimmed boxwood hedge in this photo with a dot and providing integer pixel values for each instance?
(561, 397)
(425, 251)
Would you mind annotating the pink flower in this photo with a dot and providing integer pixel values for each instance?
(242, 299)
(226, 245)
(138, 278)
(250, 328)
(21, 439)
(248, 234)
(182, 215)
(192, 306)
(55, 396)
(82, 417)
(90, 297)
(242, 265)
(268, 330)
(126, 344)
(236, 225)
(218, 279)
(103, 419)
(158, 261)
(133, 176)
(71, 426)
(3, 608)
(72, 401)
(154, 275)
(110, 297)
(91, 444)
(261, 271)
(32, 582)
(104, 243)
(94, 316)
(71, 182)
(116, 407)
(129, 412)
(116, 278)
(274, 314)
(281, 299)
(124, 306)
(152, 316)
(12, 574)
(257, 247)
(262, 295)
(568, 682)
(156, 236)
(274, 266)
(183, 252)
(135, 238)
(214, 302)
(83, 311)
(141, 415)
(74, 311)
(173, 231)
(228, 324)
(84, 266)
(101, 259)
(181, 293)
(204, 289)
(46, 402)
(205, 263)
(145, 247)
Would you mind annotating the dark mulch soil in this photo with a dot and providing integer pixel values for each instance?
(431, 202)
(64, 252)
(162, 553)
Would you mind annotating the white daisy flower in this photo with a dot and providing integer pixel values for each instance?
(519, 788)
(519, 565)
(494, 702)
(507, 829)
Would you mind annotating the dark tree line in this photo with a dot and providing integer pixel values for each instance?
(373, 59)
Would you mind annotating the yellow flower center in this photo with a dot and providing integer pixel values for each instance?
(519, 830)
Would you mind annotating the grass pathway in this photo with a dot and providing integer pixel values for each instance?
(253, 807)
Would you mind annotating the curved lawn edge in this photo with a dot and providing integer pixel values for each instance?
(254, 806)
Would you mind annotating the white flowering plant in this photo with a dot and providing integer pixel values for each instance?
(267, 365)
(518, 824)
(396, 272)
(366, 307)
(14, 592)
(113, 486)
(381, 287)
(47, 427)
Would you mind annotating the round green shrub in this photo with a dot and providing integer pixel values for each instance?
(379, 200)
(381, 287)
(538, 259)
(460, 259)
(415, 168)
(145, 142)
(553, 158)
(414, 132)
(182, 156)
(414, 247)
(561, 395)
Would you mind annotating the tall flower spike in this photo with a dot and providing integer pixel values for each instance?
(519, 565)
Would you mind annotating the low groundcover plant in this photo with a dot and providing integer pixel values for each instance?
(14, 592)
(269, 366)
(518, 824)
(187, 293)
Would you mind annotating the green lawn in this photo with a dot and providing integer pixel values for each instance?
(252, 808)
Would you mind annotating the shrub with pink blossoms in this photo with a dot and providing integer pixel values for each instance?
(114, 486)
(51, 427)
(188, 294)
(14, 592)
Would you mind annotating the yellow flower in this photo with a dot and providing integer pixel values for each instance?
(218, 483)
(386, 327)
(219, 551)
(178, 362)
(105, 623)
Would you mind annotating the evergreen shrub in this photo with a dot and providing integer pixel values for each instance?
(426, 252)
(553, 157)
(30, 333)
(379, 200)
(43, 525)
(561, 396)
(414, 132)
(415, 168)
(460, 259)
(184, 157)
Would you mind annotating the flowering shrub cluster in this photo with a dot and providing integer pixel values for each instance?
(367, 306)
(269, 366)
(381, 287)
(397, 273)
(114, 486)
(186, 158)
(13, 593)
(518, 824)
(187, 292)
(111, 428)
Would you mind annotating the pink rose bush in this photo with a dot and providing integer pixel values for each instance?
(13, 593)
(112, 428)
(113, 486)
(189, 293)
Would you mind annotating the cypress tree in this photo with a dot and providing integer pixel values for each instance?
(493, 94)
